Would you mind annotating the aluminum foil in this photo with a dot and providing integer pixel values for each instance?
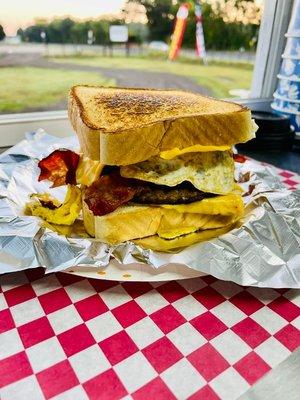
(264, 251)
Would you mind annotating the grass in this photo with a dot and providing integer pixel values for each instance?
(25, 88)
(31, 88)
(219, 77)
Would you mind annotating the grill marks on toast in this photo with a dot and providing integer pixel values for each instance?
(140, 103)
(114, 109)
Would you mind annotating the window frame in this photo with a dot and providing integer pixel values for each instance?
(270, 46)
(271, 42)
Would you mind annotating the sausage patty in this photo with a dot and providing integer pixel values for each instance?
(158, 194)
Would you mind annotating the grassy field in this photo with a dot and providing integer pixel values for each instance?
(25, 88)
(31, 88)
(218, 77)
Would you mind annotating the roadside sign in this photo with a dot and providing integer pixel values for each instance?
(118, 33)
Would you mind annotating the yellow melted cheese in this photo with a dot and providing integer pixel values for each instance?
(88, 171)
(231, 204)
(169, 154)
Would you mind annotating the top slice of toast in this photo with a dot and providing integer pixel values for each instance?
(121, 126)
(112, 110)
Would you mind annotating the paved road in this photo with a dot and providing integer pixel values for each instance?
(123, 77)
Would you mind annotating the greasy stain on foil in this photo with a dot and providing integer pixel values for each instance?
(264, 250)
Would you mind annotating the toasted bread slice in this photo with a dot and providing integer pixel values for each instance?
(122, 126)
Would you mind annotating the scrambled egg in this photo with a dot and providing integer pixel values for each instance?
(52, 211)
(211, 171)
(158, 243)
(75, 230)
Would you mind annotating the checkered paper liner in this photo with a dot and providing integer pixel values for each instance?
(67, 337)
(289, 179)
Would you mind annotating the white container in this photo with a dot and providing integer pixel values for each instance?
(294, 25)
(292, 48)
(290, 67)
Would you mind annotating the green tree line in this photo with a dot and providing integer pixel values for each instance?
(67, 30)
(218, 33)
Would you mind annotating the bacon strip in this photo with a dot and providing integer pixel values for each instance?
(59, 167)
(109, 192)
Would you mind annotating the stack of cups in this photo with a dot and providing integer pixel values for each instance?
(287, 96)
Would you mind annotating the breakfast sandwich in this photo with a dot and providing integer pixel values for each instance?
(156, 166)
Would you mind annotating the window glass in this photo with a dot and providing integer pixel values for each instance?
(46, 47)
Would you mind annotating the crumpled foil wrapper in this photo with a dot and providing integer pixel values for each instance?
(264, 251)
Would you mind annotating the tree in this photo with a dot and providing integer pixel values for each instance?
(2, 33)
(21, 33)
(160, 18)
(59, 30)
(220, 34)
(229, 24)
(33, 33)
(79, 32)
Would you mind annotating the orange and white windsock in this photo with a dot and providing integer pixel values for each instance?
(180, 25)
(200, 44)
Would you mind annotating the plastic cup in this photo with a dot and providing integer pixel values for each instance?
(294, 25)
(292, 48)
(290, 67)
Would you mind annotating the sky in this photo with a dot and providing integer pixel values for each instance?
(16, 14)
(20, 13)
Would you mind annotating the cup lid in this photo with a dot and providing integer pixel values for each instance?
(271, 121)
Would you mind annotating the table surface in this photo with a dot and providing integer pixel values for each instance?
(67, 337)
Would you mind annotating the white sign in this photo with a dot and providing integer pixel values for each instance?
(118, 33)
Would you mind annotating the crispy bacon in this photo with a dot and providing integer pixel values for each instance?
(59, 167)
(109, 192)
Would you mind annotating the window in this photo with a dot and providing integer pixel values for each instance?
(49, 55)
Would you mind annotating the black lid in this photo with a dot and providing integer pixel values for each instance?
(271, 121)
(274, 133)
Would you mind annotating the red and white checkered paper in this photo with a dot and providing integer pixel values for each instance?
(289, 178)
(67, 337)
